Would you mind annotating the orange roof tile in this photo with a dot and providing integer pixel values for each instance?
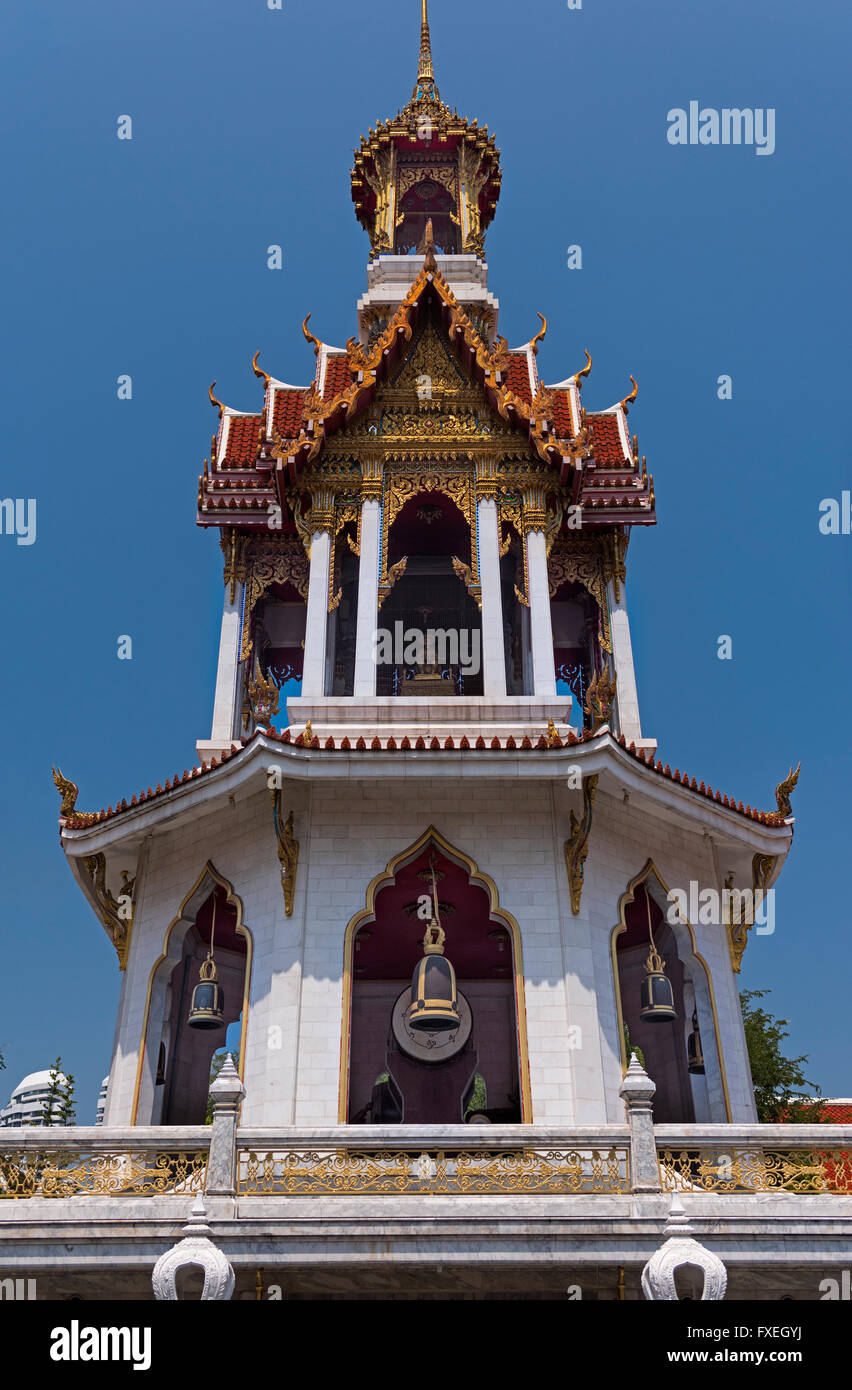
(606, 439)
(518, 376)
(338, 377)
(243, 440)
(287, 413)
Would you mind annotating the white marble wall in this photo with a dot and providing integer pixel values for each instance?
(514, 830)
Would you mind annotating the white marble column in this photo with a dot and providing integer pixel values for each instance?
(313, 671)
(228, 670)
(541, 627)
(493, 652)
(368, 591)
(622, 655)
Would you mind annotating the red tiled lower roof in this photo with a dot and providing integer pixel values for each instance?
(243, 440)
(518, 376)
(338, 377)
(563, 420)
(287, 413)
(606, 439)
(79, 820)
(837, 1112)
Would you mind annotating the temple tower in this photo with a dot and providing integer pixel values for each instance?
(426, 713)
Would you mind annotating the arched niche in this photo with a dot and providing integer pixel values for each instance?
(576, 621)
(427, 199)
(274, 618)
(173, 1076)
(382, 944)
(681, 1098)
(432, 536)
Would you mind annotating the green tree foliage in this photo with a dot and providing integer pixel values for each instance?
(630, 1048)
(58, 1107)
(780, 1086)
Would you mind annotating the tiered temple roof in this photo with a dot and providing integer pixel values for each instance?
(257, 456)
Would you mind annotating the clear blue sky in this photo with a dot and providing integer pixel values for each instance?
(149, 257)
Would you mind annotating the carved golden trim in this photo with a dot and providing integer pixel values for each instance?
(394, 573)
(368, 913)
(263, 696)
(784, 790)
(269, 562)
(488, 1169)
(233, 547)
(600, 698)
(465, 574)
(403, 484)
(762, 869)
(576, 847)
(288, 850)
(68, 791)
(118, 924)
(372, 482)
(584, 560)
(487, 479)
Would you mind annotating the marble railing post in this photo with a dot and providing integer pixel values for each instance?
(637, 1090)
(227, 1092)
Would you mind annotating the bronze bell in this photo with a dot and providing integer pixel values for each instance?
(434, 1004)
(208, 999)
(695, 1056)
(656, 995)
(434, 996)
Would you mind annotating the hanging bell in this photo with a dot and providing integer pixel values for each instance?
(434, 997)
(656, 996)
(208, 999)
(694, 1054)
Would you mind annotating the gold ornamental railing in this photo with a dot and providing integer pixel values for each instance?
(43, 1164)
(802, 1159)
(353, 1172)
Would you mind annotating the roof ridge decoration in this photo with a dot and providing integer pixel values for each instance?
(784, 790)
(82, 820)
(365, 364)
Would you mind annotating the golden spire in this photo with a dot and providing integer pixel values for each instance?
(426, 87)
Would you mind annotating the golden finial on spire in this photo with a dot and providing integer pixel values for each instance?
(426, 87)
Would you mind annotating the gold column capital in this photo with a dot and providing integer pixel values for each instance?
(487, 482)
(321, 514)
(371, 480)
